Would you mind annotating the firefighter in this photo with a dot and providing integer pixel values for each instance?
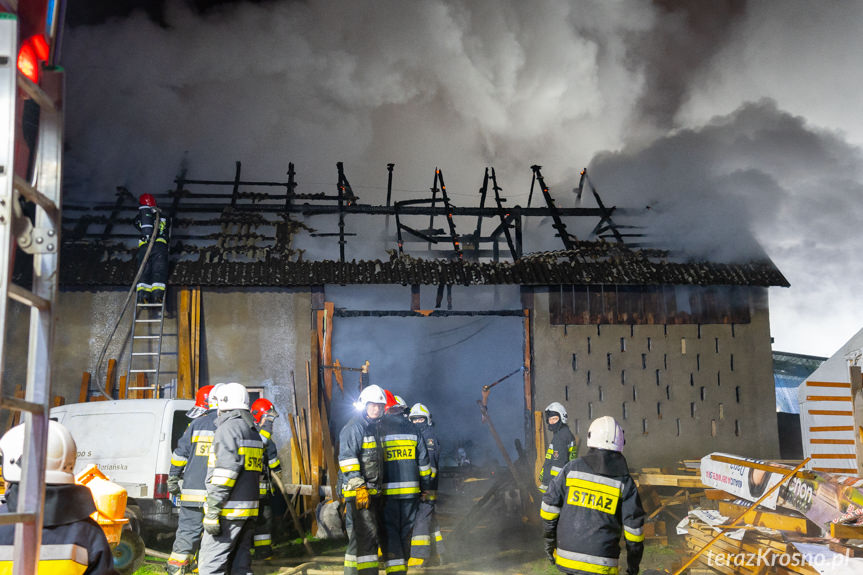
(189, 464)
(361, 461)
(561, 448)
(426, 538)
(233, 474)
(589, 503)
(72, 542)
(264, 414)
(407, 478)
(151, 284)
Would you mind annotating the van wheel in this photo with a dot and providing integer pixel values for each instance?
(129, 553)
(135, 517)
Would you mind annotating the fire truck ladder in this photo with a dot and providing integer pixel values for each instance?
(41, 238)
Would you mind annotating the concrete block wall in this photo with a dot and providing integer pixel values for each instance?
(679, 391)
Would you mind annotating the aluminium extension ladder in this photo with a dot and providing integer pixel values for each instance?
(41, 238)
(145, 348)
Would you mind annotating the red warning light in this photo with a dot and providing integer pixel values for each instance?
(33, 51)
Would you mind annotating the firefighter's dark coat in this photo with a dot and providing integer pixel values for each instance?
(560, 450)
(189, 459)
(586, 508)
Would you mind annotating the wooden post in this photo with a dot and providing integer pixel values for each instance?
(109, 379)
(531, 429)
(140, 381)
(85, 387)
(59, 400)
(298, 470)
(539, 443)
(121, 392)
(196, 338)
(184, 346)
(315, 427)
(325, 344)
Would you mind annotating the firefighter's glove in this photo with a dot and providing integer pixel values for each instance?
(212, 525)
(174, 485)
(362, 495)
(550, 545)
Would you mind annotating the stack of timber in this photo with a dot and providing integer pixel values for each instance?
(667, 495)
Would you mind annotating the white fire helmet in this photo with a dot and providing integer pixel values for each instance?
(214, 396)
(605, 433)
(232, 396)
(370, 394)
(558, 409)
(60, 455)
(420, 410)
(401, 402)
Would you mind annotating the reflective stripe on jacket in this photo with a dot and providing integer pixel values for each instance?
(588, 511)
(234, 467)
(189, 459)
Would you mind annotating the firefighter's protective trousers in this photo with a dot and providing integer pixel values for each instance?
(586, 508)
(426, 537)
(361, 555)
(232, 547)
(187, 538)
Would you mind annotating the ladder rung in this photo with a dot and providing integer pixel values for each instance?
(147, 320)
(37, 93)
(7, 518)
(140, 304)
(27, 297)
(145, 387)
(22, 405)
(144, 353)
(142, 371)
(146, 336)
(37, 197)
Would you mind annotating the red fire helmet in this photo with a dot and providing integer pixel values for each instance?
(147, 200)
(260, 407)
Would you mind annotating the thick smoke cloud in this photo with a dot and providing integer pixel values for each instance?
(733, 122)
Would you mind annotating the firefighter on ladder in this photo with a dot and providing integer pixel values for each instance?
(589, 503)
(426, 538)
(361, 462)
(71, 541)
(233, 477)
(151, 284)
(189, 464)
(264, 414)
(561, 448)
(407, 478)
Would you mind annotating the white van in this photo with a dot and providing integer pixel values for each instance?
(131, 441)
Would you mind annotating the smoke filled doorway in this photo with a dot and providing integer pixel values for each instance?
(442, 362)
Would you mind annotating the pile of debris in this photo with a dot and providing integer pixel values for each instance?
(744, 516)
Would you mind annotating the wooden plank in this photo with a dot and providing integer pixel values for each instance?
(184, 345)
(329, 455)
(840, 531)
(196, 338)
(718, 495)
(830, 412)
(829, 398)
(845, 470)
(110, 378)
(528, 384)
(298, 469)
(831, 441)
(59, 400)
(656, 479)
(539, 444)
(121, 388)
(834, 456)
(315, 430)
(325, 345)
(85, 387)
(818, 429)
(765, 518)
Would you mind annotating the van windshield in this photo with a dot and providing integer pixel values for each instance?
(113, 435)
